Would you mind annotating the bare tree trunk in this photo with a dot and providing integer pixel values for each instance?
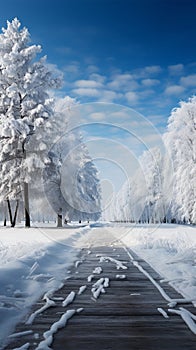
(26, 205)
(60, 218)
(9, 211)
(26, 196)
(5, 216)
(15, 214)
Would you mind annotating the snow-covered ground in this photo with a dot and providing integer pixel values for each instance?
(170, 250)
(32, 262)
(36, 260)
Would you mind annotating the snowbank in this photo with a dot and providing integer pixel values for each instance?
(32, 262)
(170, 250)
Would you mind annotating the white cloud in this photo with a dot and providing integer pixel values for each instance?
(189, 80)
(153, 69)
(150, 82)
(147, 71)
(87, 84)
(92, 68)
(176, 69)
(132, 97)
(97, 77)
(109, 96)
(123, 81)
(72, 68)
(86, 92)
(174, 90)
(146, 93)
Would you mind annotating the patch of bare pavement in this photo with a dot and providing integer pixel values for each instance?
(111, 299)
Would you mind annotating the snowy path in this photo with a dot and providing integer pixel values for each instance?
(112, 300)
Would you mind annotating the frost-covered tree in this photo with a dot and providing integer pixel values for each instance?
(71, 179)
(164, 188)
(180, 140)
(25, 112)
(151, 163)
(141, 198)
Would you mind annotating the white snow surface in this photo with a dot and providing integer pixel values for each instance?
(36, 261)
(33, 261)
(170, 250)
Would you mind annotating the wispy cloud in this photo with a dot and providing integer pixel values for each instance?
(147, 72)
(109, 96)
(73, 67)
(151, 90)
(88, 92)
(123, 81)
(189, 80)
(176, 69)
(174, 90)
(132, 97)
(88, 84)
(97, 77)
(92, 68)
(150, 82)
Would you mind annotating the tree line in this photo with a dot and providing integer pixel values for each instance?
(164, 187)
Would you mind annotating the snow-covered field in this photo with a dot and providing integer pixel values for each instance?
(36, 260)
(170, 250)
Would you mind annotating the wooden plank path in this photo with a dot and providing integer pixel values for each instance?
(125, 317)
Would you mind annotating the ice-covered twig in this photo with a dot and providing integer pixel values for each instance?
(48, 335)
(57, 298)
(82, 289)
(23, 347)
(99, 286)
(163, 312)
(79, 310)
(119, 264)
(187, 316)
(20, 334)
(135, 294)
(121, 277)
(33, 268)
(90, 277)
(106, 282)
(174, 302)
(69, 299)
(98, 270)
(77, 263)
(48, 304)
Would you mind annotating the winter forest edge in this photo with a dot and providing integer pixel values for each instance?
(33, 146)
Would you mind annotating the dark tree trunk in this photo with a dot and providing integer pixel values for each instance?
(15, 214)
(26, 196)
(5, 222)
(26, 205)
(60, 218)
(10, 211)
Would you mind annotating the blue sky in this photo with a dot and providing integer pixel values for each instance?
(132, 53)
(139, 53)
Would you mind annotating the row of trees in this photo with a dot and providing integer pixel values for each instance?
(43, 159)
(34, 147)
(164, 188)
